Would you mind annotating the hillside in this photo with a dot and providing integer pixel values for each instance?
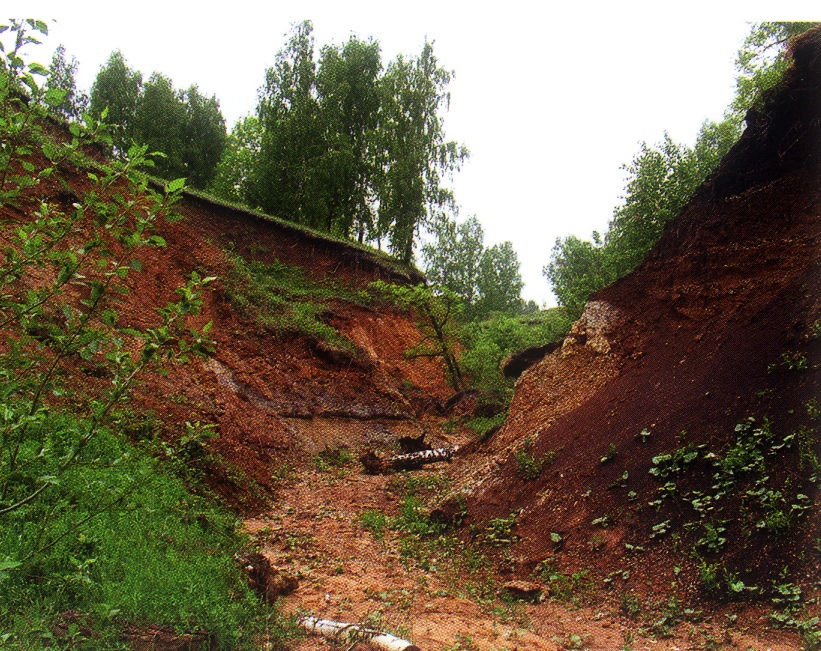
(679, 419)
(655, 484)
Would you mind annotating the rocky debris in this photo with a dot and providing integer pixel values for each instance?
(524, 590)
(594, 328)
(517, 363)
(267, 581)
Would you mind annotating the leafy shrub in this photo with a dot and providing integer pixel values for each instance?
(119, 539)
(488, 343)
(88, 523)
(530, 467)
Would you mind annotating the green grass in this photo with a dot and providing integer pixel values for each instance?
(118, 540)
(281, 298)
(374, 521)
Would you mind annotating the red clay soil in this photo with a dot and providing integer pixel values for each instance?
(722, 322)
(262, 389)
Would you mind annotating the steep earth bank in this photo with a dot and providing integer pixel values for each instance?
(679, 420)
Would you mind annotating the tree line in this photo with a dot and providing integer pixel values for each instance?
(339, 142)
(662, 178)
(342, 144)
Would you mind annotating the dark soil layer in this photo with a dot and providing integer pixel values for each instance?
(722, 322)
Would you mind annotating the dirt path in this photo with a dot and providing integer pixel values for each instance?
(442, 597)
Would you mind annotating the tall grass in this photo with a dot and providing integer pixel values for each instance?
(119, 540)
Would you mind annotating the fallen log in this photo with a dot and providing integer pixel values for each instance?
(375, 466)
(352, 633)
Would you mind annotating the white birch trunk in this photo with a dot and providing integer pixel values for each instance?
(344, 632)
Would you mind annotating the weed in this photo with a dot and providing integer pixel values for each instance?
(336, 457)
(671, 615)
(530, 467)
(374, 521)
(630, 604)
(416, 484)
(499, 531)
(808, 627)
(571, 588)
(483, 426)
(660, 529)
(794, 361)
(714, 538)
(279, 297)
(807, 455)
(461, 643)
(610, 454)
(665, 465)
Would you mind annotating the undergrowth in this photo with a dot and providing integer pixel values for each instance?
(279, 297)
(119, 540)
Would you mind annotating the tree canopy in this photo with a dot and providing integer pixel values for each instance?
(345, 145)
(486, 280)
(187, 127)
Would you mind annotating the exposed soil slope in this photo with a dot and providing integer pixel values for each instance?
(273, 396)
(722, 322)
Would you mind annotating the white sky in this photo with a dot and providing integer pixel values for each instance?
(551, 100)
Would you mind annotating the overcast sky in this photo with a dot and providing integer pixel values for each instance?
(550, 100)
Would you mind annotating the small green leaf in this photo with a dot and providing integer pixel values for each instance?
(55, 96)
(175, 185)
(38, 69)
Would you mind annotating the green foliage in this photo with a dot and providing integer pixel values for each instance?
(500, 282)
(88, 523)
(499, 531)
(239, 158)
(762, 60)
(347, 148)
(116, 92)
(488, 343)
(452, 261)
(122, 541)
(186, 127)
(570, 588)
(661, 180)
(335, 457)
(280, 297)
(437, 315)
(62, 80)
(576, 270)
(530, 466)
(374, 521)
(483, 425)
(416, 155)
(486, 279)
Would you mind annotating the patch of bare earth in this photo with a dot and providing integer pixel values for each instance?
(435, 597)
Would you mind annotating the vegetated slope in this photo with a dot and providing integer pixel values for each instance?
(682, 409)
(275, 394)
